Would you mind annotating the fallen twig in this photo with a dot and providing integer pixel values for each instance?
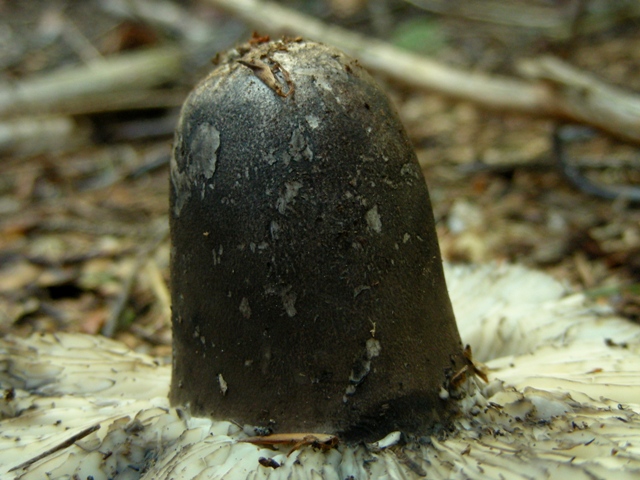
(557, 20)
(67, 443)
(547, 93)
(578, 95)
(111, 324)
(128, 72)
(166, 15)
(627, 193)
(39, 134)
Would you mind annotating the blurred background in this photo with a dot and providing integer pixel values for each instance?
(525, 116)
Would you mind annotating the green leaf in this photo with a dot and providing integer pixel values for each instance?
(421, 35)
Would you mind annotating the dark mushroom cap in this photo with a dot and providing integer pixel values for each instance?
(307, 284)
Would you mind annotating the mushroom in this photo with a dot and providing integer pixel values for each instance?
(313, 332)
(305, 270)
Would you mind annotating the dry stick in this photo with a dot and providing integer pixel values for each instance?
(111, 324)
(160, 290)
(577, 97)
(113, 101)
(574, 175)
(125, 72)
(550, 20)
(62, 445)
(25, 135)
(165, 15)
(37, 134)
(382, 57)
(587, 99)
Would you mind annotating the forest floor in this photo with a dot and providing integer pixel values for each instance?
(83, 204)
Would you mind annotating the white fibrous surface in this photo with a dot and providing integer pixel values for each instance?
(563, 401)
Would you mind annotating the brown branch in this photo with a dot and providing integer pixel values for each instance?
(111, 324)
(557, 20)
(578, 95)
(61, 446)
(128, 72)
(550, 91)
(23, 136)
